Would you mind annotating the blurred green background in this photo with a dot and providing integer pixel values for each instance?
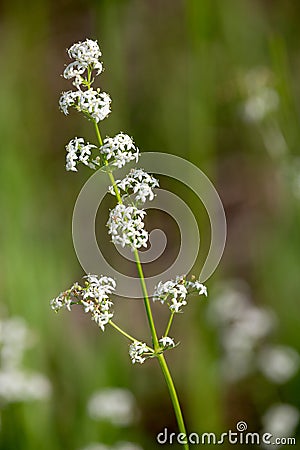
(216, 82)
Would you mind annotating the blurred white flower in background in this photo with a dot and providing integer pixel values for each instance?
(126, 446)
(116, 405)
(95, 446)
(228, 306)
(243, 327)
(15, 337)
(17, 384)
(261, 105)
(278, 363)
(261, 97)
(258, 106)
(291, 175)
(20, 386)
(244, 331)
(236, 365)
(281, 420)
(274, 140)
(117, 446)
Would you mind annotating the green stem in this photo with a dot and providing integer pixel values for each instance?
(169, 324)
(137, 258)
(146, 300)
(174, 397)
(89, 77)
(113, 182)
(98, 133)
(111, 177)
(160, 356)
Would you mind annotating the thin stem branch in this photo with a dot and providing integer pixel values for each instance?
(169, 324)
(128, 336)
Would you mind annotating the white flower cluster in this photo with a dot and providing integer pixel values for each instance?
(167, 342)
(138, 352)
(18, 384)
(138, 182)
(120, 150)
(86, 54)
(68, 99)
(175, 292)
(93, 103)
(94, 298)
(96, 106)
(78, 150)
(67, 298)
(126, 226)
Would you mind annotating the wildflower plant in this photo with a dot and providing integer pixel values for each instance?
(126, 220)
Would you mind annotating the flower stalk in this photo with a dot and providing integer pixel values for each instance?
(125, 224)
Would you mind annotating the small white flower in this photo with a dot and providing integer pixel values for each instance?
(94, 103)
(120, 149)
(98, 288)
(172, 292)
(68, 99)
(74, 69)
(202, 290)
(101, 318)
(89, 305)
(167, 342)
(126, 227)
(107, 283)
(77, 149)
(175, 292)
(62, 301)
(137, 352)
(94, 298)
(138, 182)
(87, 53)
